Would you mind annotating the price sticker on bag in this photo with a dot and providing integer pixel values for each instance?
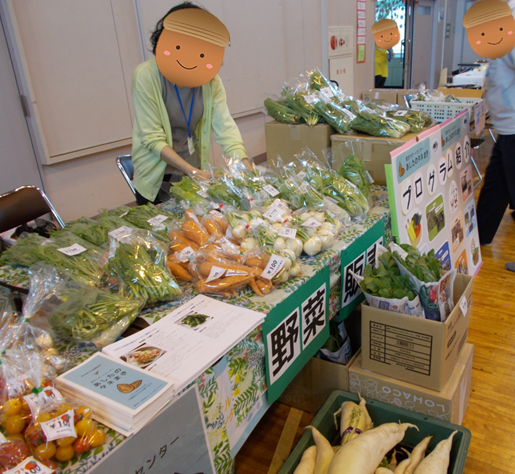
(274, 214)
(311, 222)
(281, 205)
(464, 306)
(327, 91)
(185, 254)
(287, 232)
(119, 233)
(400, 113)
(271, 190)
(42, 399)
(61, 426)
(275, 264)
(203, 193)
(154, 221)
(310, 99)
(216, 273)
(72, 250)
(30, 465)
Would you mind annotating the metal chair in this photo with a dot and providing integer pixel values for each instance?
(124, 163)
(23, 205)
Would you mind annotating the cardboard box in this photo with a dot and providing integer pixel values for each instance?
(462, 92)
(416, 350)
(381, 96)
(287, 140)
(449, 404)
(376, 151)
(315, 382)
(402, 92)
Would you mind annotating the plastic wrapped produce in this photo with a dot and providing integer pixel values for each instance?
(151, 218)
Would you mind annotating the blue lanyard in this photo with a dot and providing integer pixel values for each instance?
(188, 120)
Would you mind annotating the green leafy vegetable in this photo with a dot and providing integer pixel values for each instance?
(224, 193)
(24, 252)
(375, 124)
(281, 112)
(87, 229)
(187, 190)
(139, 216)
(353, 170)
(425, 267)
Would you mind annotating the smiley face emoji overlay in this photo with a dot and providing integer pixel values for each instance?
(190, 50)
(490, 28)
(386, 34)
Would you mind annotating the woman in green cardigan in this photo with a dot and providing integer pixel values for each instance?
(178, 100)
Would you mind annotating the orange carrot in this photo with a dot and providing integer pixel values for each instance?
(195, 232)
(176, 236)
(264, 285)
(190, 215)
(212, 228)
(178, 271)
(222, 284)
(255, 288)
(220, 220)
(257, 262)
(233, 269)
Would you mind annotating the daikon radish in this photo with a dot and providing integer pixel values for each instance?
(352, 421)
(369, 424)
(437, 461)
(325, 452)
(418, 453)
(393, 461)
(383, 470)
(307, 462)
(364, 453)
(402, 466)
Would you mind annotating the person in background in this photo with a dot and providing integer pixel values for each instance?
(381, 67)
(179, 100)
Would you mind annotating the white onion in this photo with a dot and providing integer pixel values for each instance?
(312, 246)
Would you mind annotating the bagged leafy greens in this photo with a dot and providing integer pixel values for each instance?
(187, 189)
(375, 124)
(151, 218)
(300, 98)
(24, 252)
(335, 115)
(87, 229)
(282, 112)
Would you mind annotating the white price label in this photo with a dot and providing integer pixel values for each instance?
(464, 306)
(61, 426)
(301, 174)
(287, 232)
(311, 222)
(74, 249)
(30, 465)
(185, 254)
(348, 113)
(203, 193)
(215, 273)
(400, 113)
(271, 190)
(278, 203)
(121, 232)
(310, 99)
(41, 400)
(275, 264)
(327, 91)
(274, 214)
(157, 220)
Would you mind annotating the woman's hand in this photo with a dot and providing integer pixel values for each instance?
(204, 175)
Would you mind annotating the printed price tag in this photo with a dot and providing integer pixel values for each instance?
(271, 190)
(275, 264)
(215, 273)
(119, 233)
(311, 222)
(464, 306)
(348, 113)
(41, 400)
(157, 220)
(301, 174)
(74, 249)
(278, 203)
(203, 193)
(274, 214)
(30, 466)
(327, 91)
(400, 113)
(61, 426)
(185, 254)
(310, 99)
(370, 179)
(287, 232)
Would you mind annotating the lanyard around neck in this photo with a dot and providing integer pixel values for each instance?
(188, 120)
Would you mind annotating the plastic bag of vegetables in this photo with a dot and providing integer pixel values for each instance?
(151, 218)
(189, 191)
(300, 98)
(24, 251)
(281, 111)
(87, 229)
(424, 271)
(384, 287)
(75, 312)
(335, 115)
(138, 261)
(375, 124)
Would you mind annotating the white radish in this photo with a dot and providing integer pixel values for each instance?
(295, 245)
(304, 217)
(312, 246)
(327, 240)
(277, 226)
(279, 244)
(369, 424)
(418, 453)
(325, 452)
(295, 270)
(249, 244)
(319, 216)
(402, 466)
(383, 470)
(364, 453)
(239, 232)
(393, 461)
(307, 462)
(437, 461)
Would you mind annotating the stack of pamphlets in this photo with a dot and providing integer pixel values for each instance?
(122, 396)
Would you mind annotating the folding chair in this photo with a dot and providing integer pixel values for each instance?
(124, 163)
(23, 205)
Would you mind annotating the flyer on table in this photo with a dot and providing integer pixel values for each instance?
(188, 340)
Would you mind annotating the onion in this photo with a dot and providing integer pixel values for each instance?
(239, 232)
(313, 246)
(327, 240)
(249, 244)
(295, 245)
(295, 270)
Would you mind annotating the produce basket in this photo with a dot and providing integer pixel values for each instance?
(383, 413)
(441, 111)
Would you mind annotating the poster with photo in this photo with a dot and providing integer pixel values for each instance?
(431, 193)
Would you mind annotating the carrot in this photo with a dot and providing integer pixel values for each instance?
(256, 262)
(220, 220)
(177, 237)
(437, 461)
(222, 284)
(365, 452)
(190, 215)
(418, 453)
(178, 271)
(233, 269)
(255, 288)
(195, 232)
(212, 228)
(325, 452)
(307, 462)
(264, 285)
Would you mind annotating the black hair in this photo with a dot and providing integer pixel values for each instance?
(159, 27)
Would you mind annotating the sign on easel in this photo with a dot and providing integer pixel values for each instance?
(431, 193)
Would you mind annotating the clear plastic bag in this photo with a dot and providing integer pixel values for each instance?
(377, 125)
(281, 111)
(300, 98)
(76, 312)
(24, 251)
(334, 114)
(87, 229)
(151, 218)
(189, 191)
(138, 261)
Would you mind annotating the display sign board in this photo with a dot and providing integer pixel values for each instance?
(173, 442)
(431, 195)
(294, 331)
(354, 259)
